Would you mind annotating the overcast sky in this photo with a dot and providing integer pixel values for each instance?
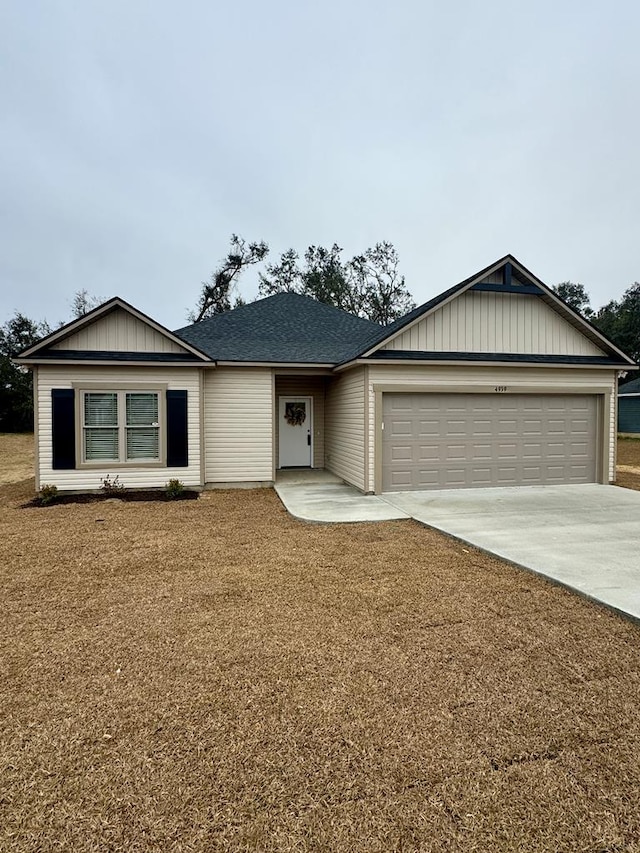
(135, 137)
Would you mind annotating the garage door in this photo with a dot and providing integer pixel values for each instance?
(464, 441)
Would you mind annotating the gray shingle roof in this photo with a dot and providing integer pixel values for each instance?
(285, 328)
(116, 355)
(630, 387)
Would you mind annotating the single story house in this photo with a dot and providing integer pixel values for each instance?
(629, 407)
(495, 382)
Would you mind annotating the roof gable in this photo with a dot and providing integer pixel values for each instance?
(284, 328)
(502, 309)
(488, 321)
(112, 330)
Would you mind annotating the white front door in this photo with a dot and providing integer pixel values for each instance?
(296, 433)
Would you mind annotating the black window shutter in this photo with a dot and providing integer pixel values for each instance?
(177, 429)
(63, 428)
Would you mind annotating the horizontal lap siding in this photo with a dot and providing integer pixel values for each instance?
(238, 430)
(345, 427)
(613, 432)
(535, 379)
(629, 414)
(132, 477)
(494, 322)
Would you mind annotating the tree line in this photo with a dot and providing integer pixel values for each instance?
(619, 319)
(16, 385)
(368, 285)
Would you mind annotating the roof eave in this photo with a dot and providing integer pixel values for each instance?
(470, 363)
(297, 364)
(35, 361)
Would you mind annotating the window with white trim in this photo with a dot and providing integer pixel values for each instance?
(121, 426)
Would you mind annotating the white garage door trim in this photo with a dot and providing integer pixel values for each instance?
(457, 477)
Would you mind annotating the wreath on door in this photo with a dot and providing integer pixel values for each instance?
(295, 413)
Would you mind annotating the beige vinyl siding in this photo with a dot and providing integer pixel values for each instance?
(613, 430)
(485, 379)
(345, 427)
(238, 425)
(119, 331)
(141, 477)
(305, 386)
(494, 322)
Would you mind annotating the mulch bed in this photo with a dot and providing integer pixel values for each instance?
(126, 495)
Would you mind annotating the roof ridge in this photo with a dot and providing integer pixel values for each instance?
(286, 294)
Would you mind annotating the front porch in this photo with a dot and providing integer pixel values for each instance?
(299, 407)
(305, 476)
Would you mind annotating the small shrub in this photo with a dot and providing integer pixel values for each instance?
(174, 489)
(47, 494)
(111, 487)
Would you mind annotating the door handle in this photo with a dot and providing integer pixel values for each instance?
(309, 438)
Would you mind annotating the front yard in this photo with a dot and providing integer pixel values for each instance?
(628, 472)
(216, 676)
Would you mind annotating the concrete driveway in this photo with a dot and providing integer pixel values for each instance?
(586, 537)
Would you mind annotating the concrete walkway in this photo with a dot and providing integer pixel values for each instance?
(321, 496)
(586, 537)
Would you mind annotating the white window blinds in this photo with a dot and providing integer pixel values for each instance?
(101, 426)
(120, 426)
(142, 426)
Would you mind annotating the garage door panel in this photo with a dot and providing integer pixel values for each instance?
(479, 440)
(481, 429)
(429, 453)
(482, 452)
(400, 453)
(428, 428)
(531, 452)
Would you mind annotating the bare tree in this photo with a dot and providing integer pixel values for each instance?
(381, 287)
(215, 297)
(368, 285)
(83, 302)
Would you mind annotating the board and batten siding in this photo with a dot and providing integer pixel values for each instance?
(345, 427)
(532, 380)
(494, 322)
(119, 331)
(132, 477)
(305, 386)
(238, 425)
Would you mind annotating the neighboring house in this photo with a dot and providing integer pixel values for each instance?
(629, 407)
(496, 382)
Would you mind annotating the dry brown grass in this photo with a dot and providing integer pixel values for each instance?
(16, 457)
(216, 676)
(628, 470)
